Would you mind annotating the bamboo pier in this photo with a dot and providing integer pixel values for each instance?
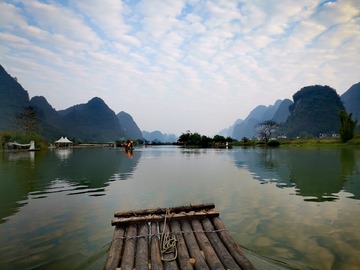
(194, 234)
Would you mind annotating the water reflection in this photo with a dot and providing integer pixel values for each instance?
(66, 218)
(15, 184)
(348, 162)
(318, 175)
(74, 171)
(350, 172)
(63, 153)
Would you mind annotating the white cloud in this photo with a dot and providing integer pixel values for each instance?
(336, 13)
(159, 17)
(61, 20)
(108, 15)
(11, 16)
(9, 38)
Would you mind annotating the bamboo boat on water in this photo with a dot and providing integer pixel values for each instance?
(183, 237)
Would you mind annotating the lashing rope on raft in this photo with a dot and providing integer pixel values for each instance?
(172, 233)
(167, 241)
(169, 244)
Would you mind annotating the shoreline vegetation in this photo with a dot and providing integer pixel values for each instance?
(295, 142)
(8, 136)
(189, 140)
(40, 142)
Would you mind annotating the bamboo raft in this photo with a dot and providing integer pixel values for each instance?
(202, 241)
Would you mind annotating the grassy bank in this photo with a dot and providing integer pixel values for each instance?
(23, 139)
(336, 142)
(316, 142)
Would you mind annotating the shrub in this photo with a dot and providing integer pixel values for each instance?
(273, 143)
(23, 138)
(347, 128)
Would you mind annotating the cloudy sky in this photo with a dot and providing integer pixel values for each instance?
(179, 65)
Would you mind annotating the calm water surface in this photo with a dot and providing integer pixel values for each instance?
(297, 206)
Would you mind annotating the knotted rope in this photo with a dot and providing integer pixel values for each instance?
(167, 241)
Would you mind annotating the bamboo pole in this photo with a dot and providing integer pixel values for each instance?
(193, 247)
(195, 215)
(232, 247)
(116, 248)
(210, 255)
(156, 211)
(155, 256)
(183, 254)
(168, 265)
(127, 262)
(218, 246)
(142, 249)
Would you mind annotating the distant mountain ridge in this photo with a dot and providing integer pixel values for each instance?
(90, 122)
(257, 115)
(351, 99)
(94, 121)
(315, 110)
(157, 136)
(314, 102)
(228, 132)
(78, 107)
(13, 98)
(129, 126)
(282, 112)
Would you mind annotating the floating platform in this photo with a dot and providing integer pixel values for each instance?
(183, 237)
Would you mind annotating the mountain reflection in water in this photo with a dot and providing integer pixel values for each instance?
(317, 175)
(297, 206)
(59, 170)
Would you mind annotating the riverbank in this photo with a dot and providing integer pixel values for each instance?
(325, 142)
(8, 136)
(311, 143)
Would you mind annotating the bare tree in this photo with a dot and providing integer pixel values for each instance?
(265, 129)
(27, 121)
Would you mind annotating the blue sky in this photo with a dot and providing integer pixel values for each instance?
(179, 65)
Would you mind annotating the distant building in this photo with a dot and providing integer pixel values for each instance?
(322, 135)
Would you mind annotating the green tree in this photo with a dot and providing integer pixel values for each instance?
(27, 121)
(245, 140)
(266, 129)
(305, 135)
(185, 137)
(347, 126)
(5, 136)
(195, 139)
(219, 138)
(205, 141)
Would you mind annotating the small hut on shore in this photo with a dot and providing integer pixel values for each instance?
(63, 142)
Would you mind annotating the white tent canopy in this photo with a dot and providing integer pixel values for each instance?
(65, 141)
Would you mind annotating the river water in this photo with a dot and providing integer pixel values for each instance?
(297, 206)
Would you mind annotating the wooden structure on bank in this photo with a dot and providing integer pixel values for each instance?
(202, 241)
